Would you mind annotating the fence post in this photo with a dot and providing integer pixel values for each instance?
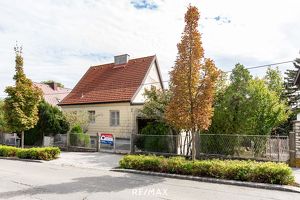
(270, 144)
(278, 144)
(68, 140)
(132, 138)
(98, 141)
(292, 148)
(197, 145)
(114, 141)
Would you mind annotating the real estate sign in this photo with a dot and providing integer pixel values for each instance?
(106, 138)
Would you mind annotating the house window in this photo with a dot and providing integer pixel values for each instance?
(114, 118)
(92, 117)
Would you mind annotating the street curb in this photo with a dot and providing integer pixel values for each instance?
(19, 159)
(214, 180)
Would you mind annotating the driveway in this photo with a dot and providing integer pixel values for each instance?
(297, 174)
(93, 160)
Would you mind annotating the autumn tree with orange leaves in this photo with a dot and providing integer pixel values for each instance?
(192, 84)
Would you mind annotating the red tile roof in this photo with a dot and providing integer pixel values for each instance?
(52, 96)
(110, 82)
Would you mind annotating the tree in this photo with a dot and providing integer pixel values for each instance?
(154, 112)
(230, 105)
(3, 126)
(192, 82)
(51, 122)
(291, 92)
(274, 81)
(266, 110)
(21, 103)
(249, 106)
(52, 81)
(155, 104)
(78, 118)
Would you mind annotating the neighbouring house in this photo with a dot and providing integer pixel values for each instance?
(52, 93)
(112, 94)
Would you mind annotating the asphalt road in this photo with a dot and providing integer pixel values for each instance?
(30, 180)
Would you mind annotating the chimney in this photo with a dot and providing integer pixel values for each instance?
(53, 85)
(121, 59)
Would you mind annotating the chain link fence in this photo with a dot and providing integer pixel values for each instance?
(161, 144)
(82, 142)
(257, 147)
(60, 140)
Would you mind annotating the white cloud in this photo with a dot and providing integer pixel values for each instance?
(61, 39)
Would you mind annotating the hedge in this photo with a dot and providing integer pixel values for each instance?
(252, 171)
(44, 153)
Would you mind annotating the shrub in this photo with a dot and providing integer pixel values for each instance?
(262, 172)
(154, 138)
(80, 139)
(8, 151)
(77, 129)
(45, 153)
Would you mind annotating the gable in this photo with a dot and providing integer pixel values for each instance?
(152, 78)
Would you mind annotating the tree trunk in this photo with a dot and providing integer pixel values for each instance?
(193, 144)
(22, 139)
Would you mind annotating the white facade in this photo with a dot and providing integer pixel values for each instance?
(151, 79)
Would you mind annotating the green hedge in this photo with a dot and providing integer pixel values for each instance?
(261, 172)
(80, 139)
(45, 153)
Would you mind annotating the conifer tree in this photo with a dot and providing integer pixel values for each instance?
(291, 92)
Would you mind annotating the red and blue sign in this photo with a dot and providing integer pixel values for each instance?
(106, 138)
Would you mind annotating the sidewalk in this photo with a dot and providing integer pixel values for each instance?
(94, 160)
(297, 174)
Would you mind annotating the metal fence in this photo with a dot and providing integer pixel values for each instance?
(117, 145)
(10, 139)
(257, 147)
(60, 140)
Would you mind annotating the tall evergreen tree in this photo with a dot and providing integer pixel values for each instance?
(291, 92)
(21, 103)
(192, 83)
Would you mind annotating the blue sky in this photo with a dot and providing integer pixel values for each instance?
(62, 38)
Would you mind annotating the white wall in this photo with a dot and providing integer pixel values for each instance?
(152, 77)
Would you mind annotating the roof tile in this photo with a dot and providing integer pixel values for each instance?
(109, 82)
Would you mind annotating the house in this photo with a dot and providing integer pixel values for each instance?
(52, 93)
(112, 94)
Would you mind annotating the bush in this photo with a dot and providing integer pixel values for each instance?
(153, 138)
(80, 139)
(261, 172)
(8, 151)
(45, 153)
(77, 129)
